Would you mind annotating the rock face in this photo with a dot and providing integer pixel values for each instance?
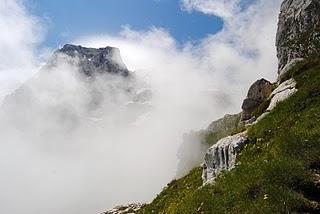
(128, 209)
(222, 156)
(282, 92)
(258, 92)
(225, 124)
(298, 33)
(92, 61)
(222, 128)
(284, 73)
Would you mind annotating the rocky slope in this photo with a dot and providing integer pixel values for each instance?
(272, 167)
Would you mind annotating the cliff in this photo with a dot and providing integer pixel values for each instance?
(298, 33)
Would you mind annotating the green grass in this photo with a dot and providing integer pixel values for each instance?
(174, 193)
(274, 172)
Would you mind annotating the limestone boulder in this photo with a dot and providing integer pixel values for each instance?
(258, 92)
(222, 156)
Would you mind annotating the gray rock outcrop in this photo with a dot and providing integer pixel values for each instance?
(92, 61)
(127, 209)
(284, 74)
(282, 92)
(222, 156)
(225, 125)
(258, 92)
(298, 33)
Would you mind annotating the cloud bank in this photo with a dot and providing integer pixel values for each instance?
(228, 61)
(21, 32)
(109, 158)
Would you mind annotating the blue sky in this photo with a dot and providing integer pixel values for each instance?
(69, 19)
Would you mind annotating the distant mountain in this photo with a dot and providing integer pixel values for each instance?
(78, 84)
(93, 61)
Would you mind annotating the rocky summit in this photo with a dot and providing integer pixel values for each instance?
(93, 60)
(298, 33)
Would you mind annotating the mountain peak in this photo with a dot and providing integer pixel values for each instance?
(71, 49)
(94, 60)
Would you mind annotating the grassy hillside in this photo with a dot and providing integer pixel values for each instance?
(175, 192)
(275, 173)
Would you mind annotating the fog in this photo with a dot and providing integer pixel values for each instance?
(73, 145)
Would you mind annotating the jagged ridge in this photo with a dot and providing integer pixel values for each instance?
(94, 60)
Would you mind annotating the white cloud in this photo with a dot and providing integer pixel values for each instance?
(230, 60)
(221, 8)
(20, 34)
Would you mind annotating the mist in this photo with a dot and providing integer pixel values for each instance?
(73, 145)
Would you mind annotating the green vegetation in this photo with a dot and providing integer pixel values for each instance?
(275, 172)
(175, 193)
